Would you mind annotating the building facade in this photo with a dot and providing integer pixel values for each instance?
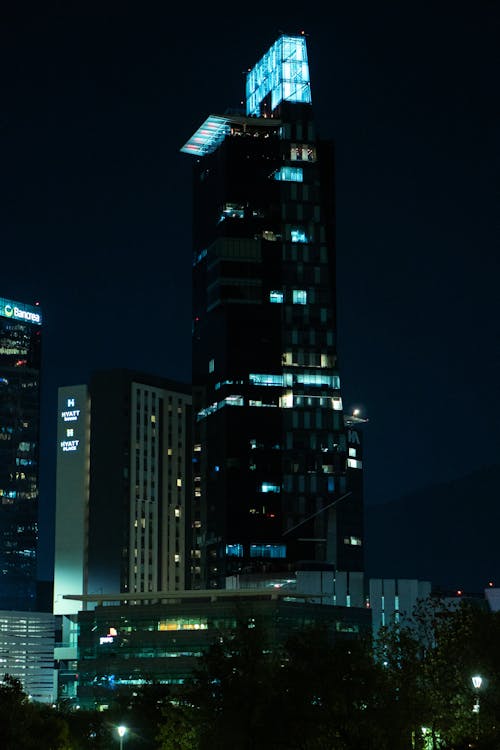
(122, 647)
(124, 452)
(271, 453)
(27, 652)
(20, 362)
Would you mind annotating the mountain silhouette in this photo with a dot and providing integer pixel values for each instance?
(447, 534)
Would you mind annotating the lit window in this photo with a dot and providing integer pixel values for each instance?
(232, 211)
(177, 557)
(211, 365)
(337, 403)
(179, 483)
(352, 452)
(302, 152)
(177, 512)
(268, 487)
(289, 174)
(258, 379)
(298, 235)
(299, 297)
(354, 463)
(169, 451)
(276, 297)
(234, 550)
(153, 418)
(286, 400)
(353, 541)
(268, 550)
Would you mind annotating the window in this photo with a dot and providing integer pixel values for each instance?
(298, 234)
(258, 379)
(268, 550)
(232, 211)
(269, 487)
(211, 365)
(289, 174)
(302, 152)
(234, 550)
(352, 452)
(276, 297)
(354, 541)
(299, 297)
(354, 463)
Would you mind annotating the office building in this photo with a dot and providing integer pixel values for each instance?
(27, 652)
(122, 647)
(276, 482)
(20, 360)
(122, 481)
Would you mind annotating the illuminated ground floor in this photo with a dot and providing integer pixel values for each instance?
(123, 646)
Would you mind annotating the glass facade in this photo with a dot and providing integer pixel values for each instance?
(20, 352)
(272, 474)
(123, 646)
(283, 72)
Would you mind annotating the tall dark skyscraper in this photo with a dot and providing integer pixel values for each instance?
(277, 480)
(20, 347)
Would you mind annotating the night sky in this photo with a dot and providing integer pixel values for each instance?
(95, 202)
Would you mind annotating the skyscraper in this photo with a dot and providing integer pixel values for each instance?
(271, 454)
(20, 360)
(122, 480)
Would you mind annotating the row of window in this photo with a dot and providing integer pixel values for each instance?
(257, 550)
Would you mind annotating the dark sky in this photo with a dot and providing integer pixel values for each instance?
(95, 204)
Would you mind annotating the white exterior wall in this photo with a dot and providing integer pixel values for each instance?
(72, 496)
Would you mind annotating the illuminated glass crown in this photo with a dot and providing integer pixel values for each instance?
(283, 72)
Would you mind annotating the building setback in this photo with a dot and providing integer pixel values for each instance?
(20, 361)
(277, 472)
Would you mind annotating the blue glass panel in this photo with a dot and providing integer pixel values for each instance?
(234, 550)
(258, 379)
(298, 235)
(282, 72)
(289, 174)
(299, 297)
(276, 297)
(268, 550)
(268, 487)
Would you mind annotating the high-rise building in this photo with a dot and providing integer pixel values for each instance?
(123, 468)
(20, 360)
(276, 484)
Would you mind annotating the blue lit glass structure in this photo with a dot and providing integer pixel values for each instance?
(282, 72)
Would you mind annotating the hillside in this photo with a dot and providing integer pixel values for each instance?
(448, 534)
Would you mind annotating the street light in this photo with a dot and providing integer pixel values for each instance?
(122, 731)
(477, 681)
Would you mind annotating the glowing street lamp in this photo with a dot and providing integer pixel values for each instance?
(122, 731)
(477, 681)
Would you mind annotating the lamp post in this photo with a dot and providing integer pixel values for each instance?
(477, 681)
(122, 731)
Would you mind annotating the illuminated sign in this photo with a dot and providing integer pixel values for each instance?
(17, 311)
(70, 416)
(69, 445)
